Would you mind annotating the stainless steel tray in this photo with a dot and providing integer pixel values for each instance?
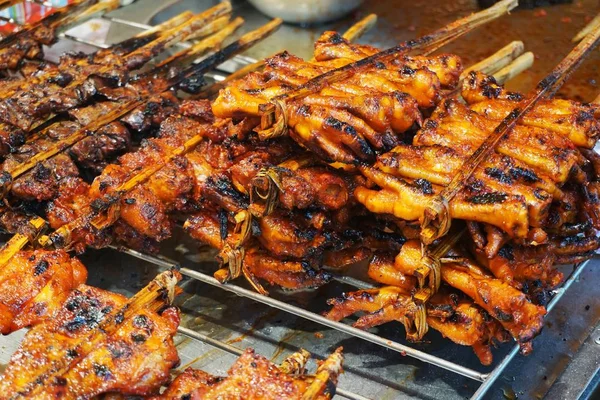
(221, 320)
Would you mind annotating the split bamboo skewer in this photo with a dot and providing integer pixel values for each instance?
(101, 219)
(436, 219)
(273, 113)
(360, 28)
(155, 296)
(593, 24)
(353, 33)
(520, 64)
(496, 61)
(168, 24)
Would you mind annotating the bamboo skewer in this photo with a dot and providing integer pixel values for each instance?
(154, 297)
(86, 13)
(109, 202)
(360, 28)
(498, 60)
(520, 64)
(593, 25)
(273, 113)
(168, 24)
(353, 33)
(436, 219)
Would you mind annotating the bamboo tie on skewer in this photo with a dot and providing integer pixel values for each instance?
(436, 218)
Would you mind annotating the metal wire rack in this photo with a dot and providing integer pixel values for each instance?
(486, 379)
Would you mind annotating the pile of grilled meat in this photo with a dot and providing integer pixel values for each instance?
(108, 156)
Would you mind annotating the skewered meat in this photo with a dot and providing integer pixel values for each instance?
(254, 377)
(35, 284)
(23, 108)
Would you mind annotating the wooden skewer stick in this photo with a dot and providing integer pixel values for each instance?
(168, 24)
(273, 120)
(496, 61)
(353, 33)
(520, 64)
(594, 23)
(61, 236)
(88, 12)
(360, 28)
(155, 296)
(436, 219)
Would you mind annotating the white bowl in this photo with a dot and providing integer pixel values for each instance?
(306, 11)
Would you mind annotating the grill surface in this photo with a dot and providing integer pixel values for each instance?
(218, 323)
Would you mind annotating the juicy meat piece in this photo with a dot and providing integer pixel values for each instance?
(44, 180)
(35, 285)
(94, 151)
(253, 377)
(135, 359)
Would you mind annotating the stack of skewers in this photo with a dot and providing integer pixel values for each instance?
(463, 197)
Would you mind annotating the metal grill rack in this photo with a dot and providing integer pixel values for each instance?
(485, 379)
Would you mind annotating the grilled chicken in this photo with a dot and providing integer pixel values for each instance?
(97, 342)
(35, 284)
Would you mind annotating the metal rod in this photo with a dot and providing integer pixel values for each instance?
(350, 330)
(495, 374)
(238, 352)
(83, 41)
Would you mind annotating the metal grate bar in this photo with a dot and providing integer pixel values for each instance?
(347, 329)
(237, 352)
